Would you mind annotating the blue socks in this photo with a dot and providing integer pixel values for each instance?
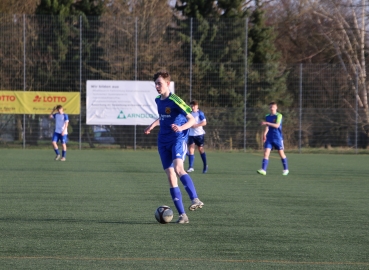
(203, 157)
(191, 159)
(264, 164)
(56, 151)
(63, 153)
(285, 163)
(189, 186)
(177, 199)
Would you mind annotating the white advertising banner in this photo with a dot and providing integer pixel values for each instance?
(121, 102)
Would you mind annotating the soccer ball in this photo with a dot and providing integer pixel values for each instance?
(164, 214)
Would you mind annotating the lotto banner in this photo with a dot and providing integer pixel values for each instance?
(121, 102)
(37, 102)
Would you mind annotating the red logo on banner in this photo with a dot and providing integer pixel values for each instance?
(7, 98)
(50, 99)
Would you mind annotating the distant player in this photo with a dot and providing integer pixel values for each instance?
(174, 119)
(196, 137)
(61, 131)
(273, 137)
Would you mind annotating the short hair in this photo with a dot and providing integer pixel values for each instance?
(273, 103)
(194, 102)
(163, 73)
(58, 107)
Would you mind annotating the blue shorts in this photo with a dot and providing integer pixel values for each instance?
(58, 137)
(198, 140)
(170, 152)
(276, 144)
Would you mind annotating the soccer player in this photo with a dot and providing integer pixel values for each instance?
(273, 137)
(174, 119)
(61, 131)
(196, 137)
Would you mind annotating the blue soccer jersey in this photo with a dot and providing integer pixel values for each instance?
(60, 120)
(274, 134)
(172, 110)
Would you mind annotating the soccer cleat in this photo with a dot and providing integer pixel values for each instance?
(62, 159)
(205, 170)
(196, 203)
(285, 172)
(183, 219)
(57, 157)
(262, 172)
(190, 170)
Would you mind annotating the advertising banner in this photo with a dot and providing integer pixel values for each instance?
(121, 102)
(38, 102)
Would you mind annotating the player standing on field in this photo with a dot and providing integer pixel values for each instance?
(174, 119)
(273, 137)
(61, 131)
(196, 136)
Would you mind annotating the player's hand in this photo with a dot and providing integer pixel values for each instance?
(147, 130)
(176, 128)
(263, 123)
(264, 138)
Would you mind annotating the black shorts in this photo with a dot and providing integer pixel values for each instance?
(198, 140)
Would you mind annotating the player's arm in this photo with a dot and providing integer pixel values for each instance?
(274, 125)
(190, 122)
(268, 124)
(52, 113)
(152, 126)
(66, 123)
(265, 133)
(201, 124)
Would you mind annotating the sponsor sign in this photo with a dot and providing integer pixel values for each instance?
(121, 102)
(38, 102)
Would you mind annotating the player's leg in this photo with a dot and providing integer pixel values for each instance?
(199, 141)
(54, 143)
(191, 154)
(175, 192)
(64, 147)
(181, 149)
(283, 159)
(265, 161)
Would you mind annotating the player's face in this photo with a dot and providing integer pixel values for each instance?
(273, 109)
(194, 107)
(161, 85)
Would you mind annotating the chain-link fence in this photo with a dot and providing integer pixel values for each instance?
(321, 104)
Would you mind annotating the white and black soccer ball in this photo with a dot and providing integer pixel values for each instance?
(164, 214)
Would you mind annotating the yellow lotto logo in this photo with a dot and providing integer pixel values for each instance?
(37, 102)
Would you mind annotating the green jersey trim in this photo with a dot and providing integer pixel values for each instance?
(279, 117)
(177, 100)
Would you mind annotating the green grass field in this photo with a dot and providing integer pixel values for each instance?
(96, 211)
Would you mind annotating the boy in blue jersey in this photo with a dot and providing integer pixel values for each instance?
(273, 137)
(61, 131)
(196, 137)
(174, 119)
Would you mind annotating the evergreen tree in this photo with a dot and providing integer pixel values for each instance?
(218, 40)
(57, 61)
(266, 81)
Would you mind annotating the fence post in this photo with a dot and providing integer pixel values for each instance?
(136, 63)
(300, 108)
(356, 105)
(24, 77)
(191, 21)
(80, 82)
(245, 89)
